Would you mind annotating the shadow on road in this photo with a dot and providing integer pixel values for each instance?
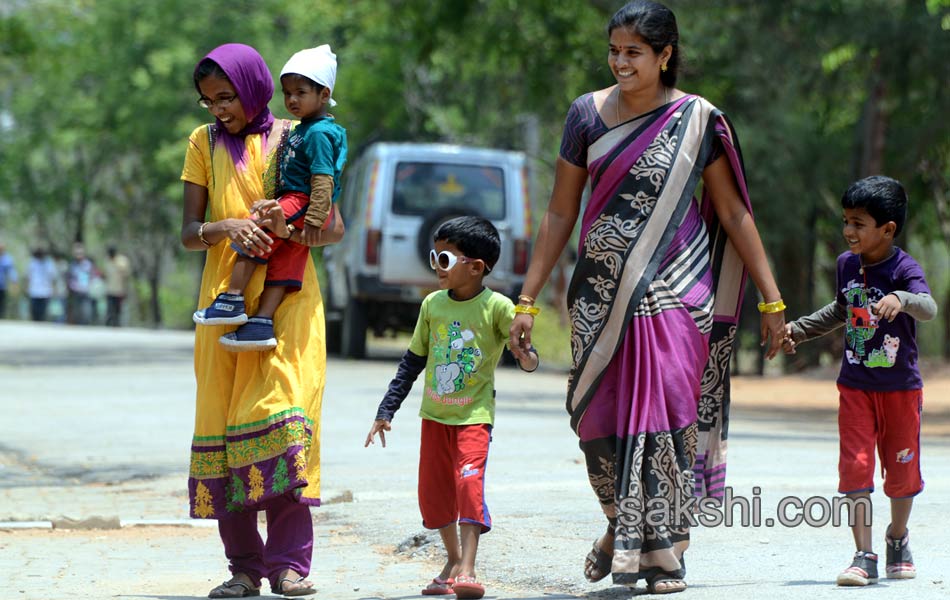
(80, 356)
(823, 422)
(137, 596)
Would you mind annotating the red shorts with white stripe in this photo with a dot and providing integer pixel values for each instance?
(452, 460)
(890, 421)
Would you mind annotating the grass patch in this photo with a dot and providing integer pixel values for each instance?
(552, 340)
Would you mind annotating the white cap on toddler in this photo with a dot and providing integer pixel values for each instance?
(318, 64)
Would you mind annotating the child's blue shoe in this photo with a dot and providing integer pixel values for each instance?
(257, 334)
(227, 309)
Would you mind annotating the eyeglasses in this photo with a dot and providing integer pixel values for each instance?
(445, 260)
(219, 103)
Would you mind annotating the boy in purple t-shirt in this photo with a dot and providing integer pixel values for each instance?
(882, 292)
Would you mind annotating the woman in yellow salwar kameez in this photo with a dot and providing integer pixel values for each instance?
(257, 421)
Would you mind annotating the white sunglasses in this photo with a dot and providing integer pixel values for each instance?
(445, 260)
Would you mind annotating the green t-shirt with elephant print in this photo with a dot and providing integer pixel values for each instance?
(462, 342)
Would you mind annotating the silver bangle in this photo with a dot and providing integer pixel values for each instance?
(201, 234)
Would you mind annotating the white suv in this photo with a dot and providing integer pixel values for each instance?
(394, 198)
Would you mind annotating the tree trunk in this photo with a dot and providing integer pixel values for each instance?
(874, 133)
(938, 186)
(80, 220)
(946, 326)
(153, 268)
(154, 286)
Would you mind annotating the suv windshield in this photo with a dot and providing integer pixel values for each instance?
(421, 187)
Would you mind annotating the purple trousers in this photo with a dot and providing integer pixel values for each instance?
(289, 542)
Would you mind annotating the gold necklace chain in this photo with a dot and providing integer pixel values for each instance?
(666, 100)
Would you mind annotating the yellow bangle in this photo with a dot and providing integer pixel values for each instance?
(524, 309)
(201, 235)
(771, 307)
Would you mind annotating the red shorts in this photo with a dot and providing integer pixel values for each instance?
(286, 261)
(452, 460)
(889, 420)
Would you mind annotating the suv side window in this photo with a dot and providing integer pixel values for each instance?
(421, 187)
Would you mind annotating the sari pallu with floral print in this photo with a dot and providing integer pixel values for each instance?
(654, 302)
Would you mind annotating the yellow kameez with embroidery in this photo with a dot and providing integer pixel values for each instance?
(254, 409)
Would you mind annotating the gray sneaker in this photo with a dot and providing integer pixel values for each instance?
(863, 570)
(900, 562)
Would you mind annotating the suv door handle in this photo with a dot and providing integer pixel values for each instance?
(400, 237)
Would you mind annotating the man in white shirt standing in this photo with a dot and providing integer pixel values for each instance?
(41, 282)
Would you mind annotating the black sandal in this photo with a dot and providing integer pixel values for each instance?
(234, 589)
(597, 563)
(656, 577)
(664, 578)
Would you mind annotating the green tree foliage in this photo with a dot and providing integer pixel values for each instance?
(824, 93)
(96, 100)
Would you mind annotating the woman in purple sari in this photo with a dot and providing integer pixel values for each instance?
(654, 298)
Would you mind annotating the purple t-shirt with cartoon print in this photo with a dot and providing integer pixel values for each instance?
(879, 355)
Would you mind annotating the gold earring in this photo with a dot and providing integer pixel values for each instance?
(663, 67)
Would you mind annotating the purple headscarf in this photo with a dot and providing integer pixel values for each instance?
(254, 85)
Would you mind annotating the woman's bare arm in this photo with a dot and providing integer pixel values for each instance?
(193, 215)
(238, 230)
(737, 221)
(555, 230)
(556, 225)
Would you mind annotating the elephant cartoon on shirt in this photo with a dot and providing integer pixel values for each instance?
(445, 376)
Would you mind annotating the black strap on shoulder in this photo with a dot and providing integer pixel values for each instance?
(212, 134)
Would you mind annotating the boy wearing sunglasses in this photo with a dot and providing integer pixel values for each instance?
(459, 337)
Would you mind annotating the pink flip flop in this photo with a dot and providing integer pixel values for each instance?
(467, 587)
(439, 587)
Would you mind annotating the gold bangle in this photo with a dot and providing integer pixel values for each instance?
(524, 309)
(771, 307)
(525, 299)
(201, 235)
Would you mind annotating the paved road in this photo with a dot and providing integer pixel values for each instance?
(97, 422)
